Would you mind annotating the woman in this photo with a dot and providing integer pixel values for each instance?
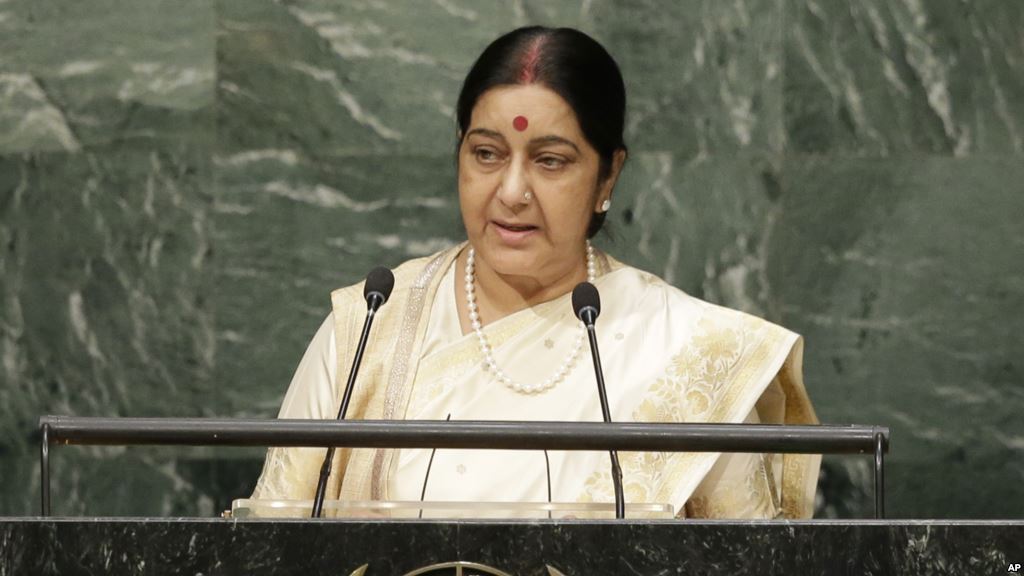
(485, 330)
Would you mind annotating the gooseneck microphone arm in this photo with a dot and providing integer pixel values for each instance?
(586, 303)
(379, 283)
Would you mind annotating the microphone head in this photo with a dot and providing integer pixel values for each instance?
(584, 297)
(381, 281)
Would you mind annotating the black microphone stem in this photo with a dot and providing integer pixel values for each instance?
(374, 301)
(620, 501)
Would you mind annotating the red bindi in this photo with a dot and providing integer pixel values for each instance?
(520, 123)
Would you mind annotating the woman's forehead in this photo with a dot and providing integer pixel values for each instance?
(528, 110)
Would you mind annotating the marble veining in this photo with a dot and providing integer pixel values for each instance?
(182, 182)
(188, 546)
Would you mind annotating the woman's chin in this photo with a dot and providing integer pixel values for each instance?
(510, 260)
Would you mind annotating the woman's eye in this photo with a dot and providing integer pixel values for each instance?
(551, 162)
(485, 155)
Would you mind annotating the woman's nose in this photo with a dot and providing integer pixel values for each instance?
(514, 188)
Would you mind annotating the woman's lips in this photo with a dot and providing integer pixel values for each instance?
(512, 233)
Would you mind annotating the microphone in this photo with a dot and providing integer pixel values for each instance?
(586, 303)
(377, 289)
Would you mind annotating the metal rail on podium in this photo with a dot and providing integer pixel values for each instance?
(500, 435)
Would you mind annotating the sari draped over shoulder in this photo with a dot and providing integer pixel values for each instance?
(667, 357)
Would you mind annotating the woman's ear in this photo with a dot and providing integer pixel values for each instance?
(618, 161)
(608, 184)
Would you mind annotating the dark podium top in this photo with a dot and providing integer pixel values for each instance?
(393, 548)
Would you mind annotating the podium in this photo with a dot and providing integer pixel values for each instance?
(536, 546)
(159, 546)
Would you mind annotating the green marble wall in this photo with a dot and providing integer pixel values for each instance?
(183, 181)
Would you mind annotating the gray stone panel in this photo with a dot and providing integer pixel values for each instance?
(883, 78)
(906, 280)
(183, 183)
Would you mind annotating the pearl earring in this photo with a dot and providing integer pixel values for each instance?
(606, 205)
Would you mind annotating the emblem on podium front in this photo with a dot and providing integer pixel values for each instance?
(458, 568)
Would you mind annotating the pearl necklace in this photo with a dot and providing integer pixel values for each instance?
(485, 347)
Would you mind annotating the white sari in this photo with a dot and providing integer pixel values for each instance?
(667, 357)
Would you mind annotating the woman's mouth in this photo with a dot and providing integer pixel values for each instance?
(512, 232)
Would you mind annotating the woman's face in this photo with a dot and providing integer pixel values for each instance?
(526, 139)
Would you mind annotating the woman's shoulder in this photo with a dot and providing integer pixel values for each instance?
(414, 273)
(652, 293)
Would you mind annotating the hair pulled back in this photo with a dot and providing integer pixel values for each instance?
(569, 63)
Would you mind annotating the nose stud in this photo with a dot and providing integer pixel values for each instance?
(528, 196)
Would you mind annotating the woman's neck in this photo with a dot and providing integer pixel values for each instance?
(499, 295)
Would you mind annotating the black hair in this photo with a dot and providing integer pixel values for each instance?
(571, 64)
